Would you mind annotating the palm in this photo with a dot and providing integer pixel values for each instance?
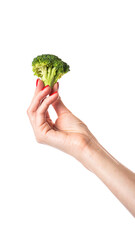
(68, 131)
(67, 123)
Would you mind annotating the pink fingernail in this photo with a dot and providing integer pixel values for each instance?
(44, 87)
(53, 93)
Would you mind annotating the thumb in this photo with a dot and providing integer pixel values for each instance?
(58, 105)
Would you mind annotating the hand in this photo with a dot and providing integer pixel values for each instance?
(68, 133)
(72, 136)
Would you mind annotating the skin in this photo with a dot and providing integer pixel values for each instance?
(69, 134)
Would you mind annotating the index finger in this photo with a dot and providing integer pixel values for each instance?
(39, 86)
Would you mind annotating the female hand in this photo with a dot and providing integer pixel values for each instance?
(72, 136)
(68, 133)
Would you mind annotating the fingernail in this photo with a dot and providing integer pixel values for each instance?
(53, 93)
(37, 82)
(44, 87)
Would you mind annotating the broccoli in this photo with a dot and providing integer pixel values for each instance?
(49, 68)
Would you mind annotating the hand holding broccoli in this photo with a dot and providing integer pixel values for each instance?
(68, 133)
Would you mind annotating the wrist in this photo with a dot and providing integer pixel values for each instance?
(87, 154)
(94, 157)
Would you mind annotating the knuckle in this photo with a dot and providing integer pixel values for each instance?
(28, 111)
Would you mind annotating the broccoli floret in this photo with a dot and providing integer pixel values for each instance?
(49, 68)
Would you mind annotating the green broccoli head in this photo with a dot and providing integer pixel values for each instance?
(49, 68)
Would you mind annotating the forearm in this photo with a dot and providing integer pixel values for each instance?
(119, 179)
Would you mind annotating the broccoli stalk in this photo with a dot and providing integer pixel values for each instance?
(49, 68)
(48, 75)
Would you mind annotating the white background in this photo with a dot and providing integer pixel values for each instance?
(44, 193)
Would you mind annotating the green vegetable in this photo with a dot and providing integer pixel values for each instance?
(49, 68)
